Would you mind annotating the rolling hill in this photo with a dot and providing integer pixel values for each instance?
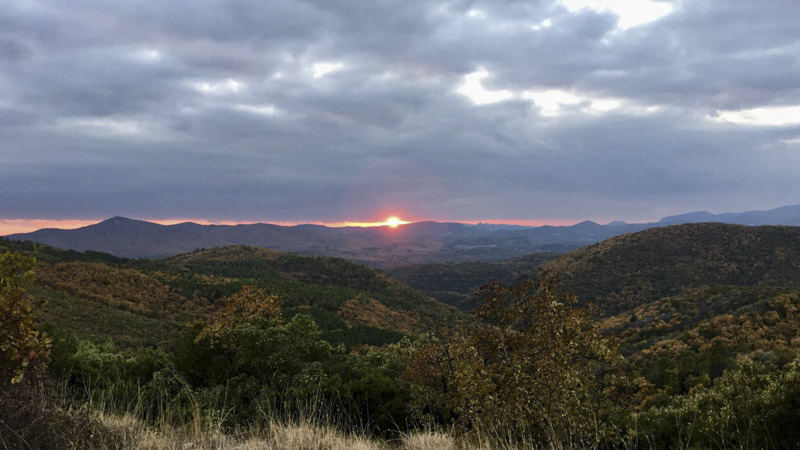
(707, 268)
(144, 302)
(623, 272)
(660, 289)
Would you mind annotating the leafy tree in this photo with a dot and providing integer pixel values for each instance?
(21, 344)
(533, 366)
(753, 405)
(249, 356)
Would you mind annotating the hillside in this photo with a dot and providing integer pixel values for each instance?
(626, 271)
(324, 286)
(687, 302)
(661, 289)
(144, 302)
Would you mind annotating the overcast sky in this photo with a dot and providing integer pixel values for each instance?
(350, 110)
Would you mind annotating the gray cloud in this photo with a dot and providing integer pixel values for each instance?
(221, 110)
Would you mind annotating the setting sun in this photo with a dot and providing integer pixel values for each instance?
(394, 222)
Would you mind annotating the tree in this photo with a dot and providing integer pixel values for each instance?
(249, 357)
(21, 344)
(533, 365)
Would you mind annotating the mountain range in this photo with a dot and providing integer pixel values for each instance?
(384, 247)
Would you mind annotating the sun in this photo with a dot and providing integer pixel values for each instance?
(394, 222)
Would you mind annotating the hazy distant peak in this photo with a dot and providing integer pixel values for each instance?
(121, 221)
(785, 215)
(699, 216)
(587, 224)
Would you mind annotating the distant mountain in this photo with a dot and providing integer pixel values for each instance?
(496, 226)
(786, 215)
(121, 236)
(420, 242)
(378, 246)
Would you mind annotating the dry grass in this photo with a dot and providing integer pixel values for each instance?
(300, 436)
(429, 441)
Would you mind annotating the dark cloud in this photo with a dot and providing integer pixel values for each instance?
(344, 110)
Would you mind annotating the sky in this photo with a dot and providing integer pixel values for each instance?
(333, 111)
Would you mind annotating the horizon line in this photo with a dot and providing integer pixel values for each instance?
(20, 226)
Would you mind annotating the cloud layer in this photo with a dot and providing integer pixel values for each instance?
(348, 110)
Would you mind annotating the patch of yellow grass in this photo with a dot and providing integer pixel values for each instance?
(302, 436)
(429, 441)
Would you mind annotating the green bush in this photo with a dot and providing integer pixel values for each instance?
(21, 343)
(753, 405)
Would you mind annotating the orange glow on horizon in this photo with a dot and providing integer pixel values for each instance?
(14, 226)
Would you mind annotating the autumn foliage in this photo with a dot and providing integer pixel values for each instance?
(533, 366)
(21, 344)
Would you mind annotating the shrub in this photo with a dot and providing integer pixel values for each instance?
(21, 344)
(753, 405)
(533, 367)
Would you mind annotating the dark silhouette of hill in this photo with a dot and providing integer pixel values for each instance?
(420, 242)
(785, 215)
(140, 239)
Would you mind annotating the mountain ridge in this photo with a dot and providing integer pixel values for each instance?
(385, 247)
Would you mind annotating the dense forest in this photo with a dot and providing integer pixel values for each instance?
(685, 336)
(455, 284)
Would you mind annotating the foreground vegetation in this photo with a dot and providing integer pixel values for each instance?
(705, 366)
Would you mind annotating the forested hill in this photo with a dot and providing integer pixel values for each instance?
(626, 271)
(686, 301)
(144, 302)
(320, 285)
